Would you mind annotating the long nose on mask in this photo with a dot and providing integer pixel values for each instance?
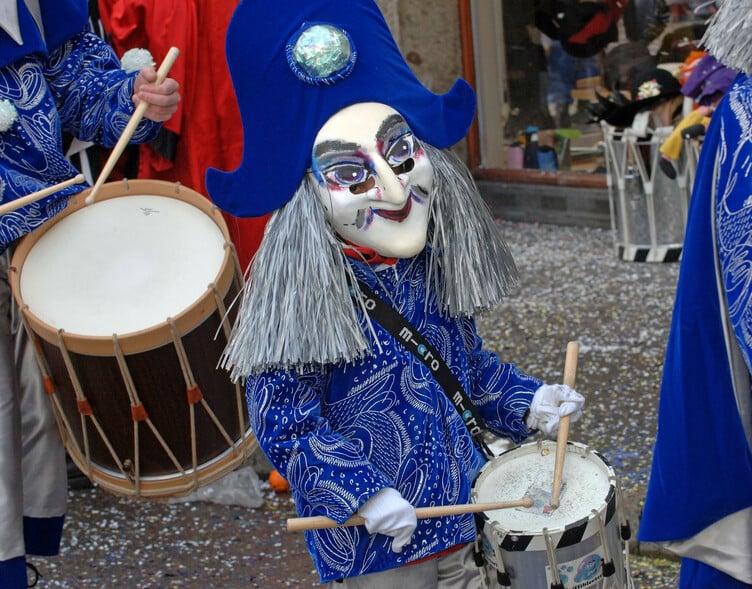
(392, 186)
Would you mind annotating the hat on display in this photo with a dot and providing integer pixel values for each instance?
(582, 28)
(709, 79)
(650, 88)
(728, 34)
(296, 63)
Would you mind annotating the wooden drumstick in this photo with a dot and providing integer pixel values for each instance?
(130, 128)
(35, 196)
(570, 372)
(299, 524)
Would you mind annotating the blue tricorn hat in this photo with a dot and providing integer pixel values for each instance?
(296, 63)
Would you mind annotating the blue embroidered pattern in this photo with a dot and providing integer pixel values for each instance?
(341, 433)
(81, 89)
(734, 213)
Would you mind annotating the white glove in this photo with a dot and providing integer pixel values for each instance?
(551, 402)
(388, 513)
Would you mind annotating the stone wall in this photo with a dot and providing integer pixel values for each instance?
(428, 34)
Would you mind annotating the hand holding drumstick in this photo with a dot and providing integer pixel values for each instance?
(161, 98)
(551, 404)
(156, 97)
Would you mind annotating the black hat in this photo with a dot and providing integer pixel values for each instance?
(650, 88)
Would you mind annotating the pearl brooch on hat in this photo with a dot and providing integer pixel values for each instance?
(321, 54)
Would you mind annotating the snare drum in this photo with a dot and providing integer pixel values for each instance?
(648, 209)
(126, 300)
(578, 545)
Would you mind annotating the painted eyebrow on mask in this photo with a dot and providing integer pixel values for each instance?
(334, 146)
(389, 123)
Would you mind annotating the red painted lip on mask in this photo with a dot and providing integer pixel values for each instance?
(397, 216)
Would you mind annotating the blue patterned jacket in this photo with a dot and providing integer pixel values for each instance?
(340, 433)
(78, 88)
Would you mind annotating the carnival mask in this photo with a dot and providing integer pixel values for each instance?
(373, 179)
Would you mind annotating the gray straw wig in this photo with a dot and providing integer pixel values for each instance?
(297, 309)
(729, 35)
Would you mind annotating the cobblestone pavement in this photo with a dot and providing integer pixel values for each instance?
(573, 288)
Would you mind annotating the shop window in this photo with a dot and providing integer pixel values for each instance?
(539, 96)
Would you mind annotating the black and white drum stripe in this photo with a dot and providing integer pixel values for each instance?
(568, 536)
(650, 254)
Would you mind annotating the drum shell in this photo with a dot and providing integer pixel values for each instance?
(648, 209)
(523, 552)
(158, 379)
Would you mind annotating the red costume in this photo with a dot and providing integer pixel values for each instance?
(207, 124)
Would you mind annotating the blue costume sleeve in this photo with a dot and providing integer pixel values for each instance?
(734, 222)
(501, 392)
(328, 475)
(93, 94)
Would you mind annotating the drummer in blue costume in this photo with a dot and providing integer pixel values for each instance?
(348, 148)
(54, 77)
(699, 499)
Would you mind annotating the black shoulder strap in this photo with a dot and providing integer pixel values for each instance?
(391, 320)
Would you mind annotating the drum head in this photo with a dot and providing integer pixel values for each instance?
(122, 265)
(528, 471)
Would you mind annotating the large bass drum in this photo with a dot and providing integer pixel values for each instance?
(127, 302)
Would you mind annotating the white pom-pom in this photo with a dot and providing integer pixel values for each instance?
(136, 59)
(8, 115)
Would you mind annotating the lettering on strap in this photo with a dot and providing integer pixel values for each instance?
(391, 320)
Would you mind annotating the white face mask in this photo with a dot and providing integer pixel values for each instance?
(374, 179)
